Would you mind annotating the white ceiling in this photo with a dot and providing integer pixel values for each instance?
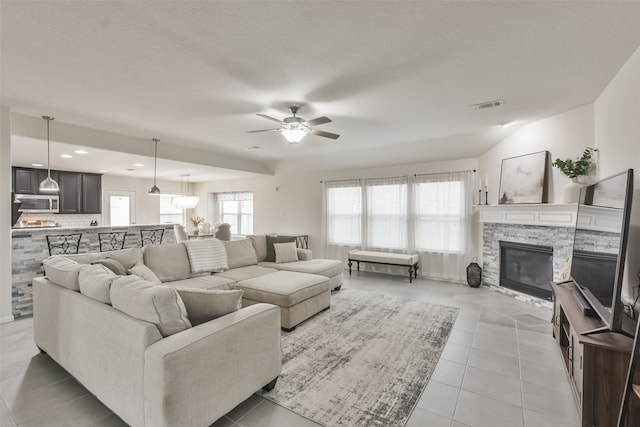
(396, 77)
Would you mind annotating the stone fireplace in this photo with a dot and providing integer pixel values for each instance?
(546, 229)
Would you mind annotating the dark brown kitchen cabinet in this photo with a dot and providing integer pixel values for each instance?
(27, 180)
(91, 194)
(70, 191)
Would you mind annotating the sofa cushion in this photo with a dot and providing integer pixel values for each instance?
(95, 282)
(206, 255)
(271, 254)
(324, 267)
(244, 273)
(128, 257)
(157, 304)
(208, 304)
(240, 253)
(63, 271)
(112, 264)
(202, 282)
(144, 272)
(285, 252)
(168, 262)
(260, 245)
(283, 288)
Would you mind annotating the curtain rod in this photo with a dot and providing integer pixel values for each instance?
(433, 173)
(401, 176)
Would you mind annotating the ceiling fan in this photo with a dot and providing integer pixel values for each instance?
(295, 128)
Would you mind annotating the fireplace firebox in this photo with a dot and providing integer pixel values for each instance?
(526, 268)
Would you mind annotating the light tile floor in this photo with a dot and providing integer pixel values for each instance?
(500, 367)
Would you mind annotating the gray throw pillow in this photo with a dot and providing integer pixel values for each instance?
(271, 253)
(208, 304)
(113, 265)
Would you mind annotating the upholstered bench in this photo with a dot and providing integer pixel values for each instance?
(299, 295)
(385, 258)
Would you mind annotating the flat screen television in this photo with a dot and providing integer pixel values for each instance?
(600, 245)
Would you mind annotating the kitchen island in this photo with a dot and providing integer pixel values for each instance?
(29, 248)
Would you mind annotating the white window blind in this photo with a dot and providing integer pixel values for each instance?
(236, 209)
(168, 212)
(344, 212)
(386, 214)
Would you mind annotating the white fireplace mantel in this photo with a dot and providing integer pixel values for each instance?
(542, 214)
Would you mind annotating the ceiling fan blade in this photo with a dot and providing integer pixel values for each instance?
(325, 134)
(260, 130)
(318, 121)
(269, 118)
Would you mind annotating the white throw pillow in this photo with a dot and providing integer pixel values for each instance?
(144, 272)
(207, 304)
(157, 304)
(207, 255)
(95, 282)
(285, 252)
(63, 271)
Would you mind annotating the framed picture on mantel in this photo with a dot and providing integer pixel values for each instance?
(523, 179)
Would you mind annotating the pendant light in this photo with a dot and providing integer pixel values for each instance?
(48, 185)
(155, 191)
(184, 201)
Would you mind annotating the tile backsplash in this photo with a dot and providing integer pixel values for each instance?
(65, 220)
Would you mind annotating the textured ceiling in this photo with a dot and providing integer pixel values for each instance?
(397, 78)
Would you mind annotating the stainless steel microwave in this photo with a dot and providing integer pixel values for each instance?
(31, 203)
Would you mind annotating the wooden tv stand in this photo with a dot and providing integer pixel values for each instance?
(597, 364)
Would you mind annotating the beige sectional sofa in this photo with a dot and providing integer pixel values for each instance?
(190, 377)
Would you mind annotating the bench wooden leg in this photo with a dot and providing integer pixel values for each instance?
(349, 264)
(411, 274)
(358, 262)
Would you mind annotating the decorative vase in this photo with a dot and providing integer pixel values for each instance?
(572, 191)
(195, 231)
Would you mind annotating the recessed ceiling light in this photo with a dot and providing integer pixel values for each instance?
(506, 124)
(81, 152)
(102, 171)
(251, 148)
(38, 165)
(66, 156)
(138, 165)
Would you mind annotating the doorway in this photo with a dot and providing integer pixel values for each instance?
(120, 207)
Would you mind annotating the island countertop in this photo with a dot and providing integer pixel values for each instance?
(29, 248)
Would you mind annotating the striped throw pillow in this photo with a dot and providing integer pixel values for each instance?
(206, 255)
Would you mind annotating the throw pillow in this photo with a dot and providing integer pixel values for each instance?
(168, 262)
(95, 282)
(240, 253)
(207, 304)
(260, 245)
(113, 265)
(271, 254)
(208, 255)
(144, 272)
(285, 252)
(63, 271)
(157, 304)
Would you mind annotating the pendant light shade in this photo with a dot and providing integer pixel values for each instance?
(155, 191)
(48, 185)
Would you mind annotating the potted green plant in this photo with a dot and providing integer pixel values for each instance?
(576, 170)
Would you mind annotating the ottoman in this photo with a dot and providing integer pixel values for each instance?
(299, 295)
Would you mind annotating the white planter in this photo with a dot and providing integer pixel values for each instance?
(572, 192)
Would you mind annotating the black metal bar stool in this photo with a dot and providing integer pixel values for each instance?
(151, 237)
(61, 244)
(111, 241)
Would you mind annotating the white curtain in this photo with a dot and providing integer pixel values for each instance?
(442, 224)
(427, 214)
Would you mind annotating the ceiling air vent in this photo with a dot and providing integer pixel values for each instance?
(488, 104)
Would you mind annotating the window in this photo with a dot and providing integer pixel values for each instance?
(168, 212)
(236, 209)
(440, 214)
(387, 213)
(344, 213)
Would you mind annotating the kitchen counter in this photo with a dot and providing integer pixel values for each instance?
(29, 248)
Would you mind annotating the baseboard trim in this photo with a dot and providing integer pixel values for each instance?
(6, 319)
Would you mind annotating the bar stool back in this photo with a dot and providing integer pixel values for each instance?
(111, 241)
(151, 237)
(62, 244)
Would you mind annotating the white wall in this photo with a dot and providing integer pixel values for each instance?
(5, 215)
(563, 135)
(617, 134)
(296, 206)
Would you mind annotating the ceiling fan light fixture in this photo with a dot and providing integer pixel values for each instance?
(294, 135)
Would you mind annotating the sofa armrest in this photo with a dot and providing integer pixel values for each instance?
(304, 254)
(198, 375)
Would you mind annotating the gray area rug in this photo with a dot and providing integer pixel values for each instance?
(363, 362)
